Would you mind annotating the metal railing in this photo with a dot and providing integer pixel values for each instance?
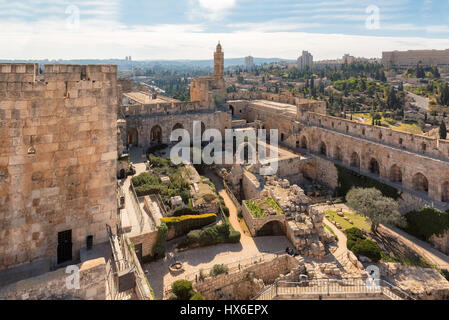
(136, 205)
(332, 288)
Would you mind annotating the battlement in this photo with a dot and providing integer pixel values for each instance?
(30, 72)
(18, 72)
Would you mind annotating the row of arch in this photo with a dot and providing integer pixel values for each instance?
(419, 180)
(155, 134)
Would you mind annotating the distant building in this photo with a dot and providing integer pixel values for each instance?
(306, 60)
(405, 59)
(249, 63)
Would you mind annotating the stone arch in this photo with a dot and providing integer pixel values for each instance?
(133, 137)
(355, 160)
(374, 166)
(304, 143)
(323, 149)
(178, 126)
(445, 192)
(420, 182)
(396, 174)
(156, 134)
(271, 228)
(338, 155)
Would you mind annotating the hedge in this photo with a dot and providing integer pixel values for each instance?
(212, 235)
(426, 222)
(185, 210)
(159, 247)
(184, 224)
(361, 246)
(348, 178)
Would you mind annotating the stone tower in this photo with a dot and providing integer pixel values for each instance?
(218, 62)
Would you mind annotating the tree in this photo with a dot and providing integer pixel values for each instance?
(443, 130)
(375, 207)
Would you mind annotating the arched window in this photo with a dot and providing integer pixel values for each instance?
(323, 149)
(374, 166)
(355, 160)
(420, 182)
(396, 174)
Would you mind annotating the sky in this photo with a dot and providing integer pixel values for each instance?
(190, 29)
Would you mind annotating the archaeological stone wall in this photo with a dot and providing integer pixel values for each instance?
(58, 157)
(53, 285)
(268, 272)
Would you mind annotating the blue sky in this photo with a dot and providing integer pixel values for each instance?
(189, 29)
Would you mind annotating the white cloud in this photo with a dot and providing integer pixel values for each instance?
(100, 39)
(211, 9)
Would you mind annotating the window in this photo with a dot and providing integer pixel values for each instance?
(64, 246)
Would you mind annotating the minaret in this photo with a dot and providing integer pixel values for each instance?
(218, 62)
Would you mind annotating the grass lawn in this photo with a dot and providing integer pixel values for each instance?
(359, 221)
(413, 128)
(260, 208)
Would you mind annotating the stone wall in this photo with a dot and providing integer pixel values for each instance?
(148, 241)
(254, 224)
(52, 285)
(144, 124)
(268, 272)
(58, 156)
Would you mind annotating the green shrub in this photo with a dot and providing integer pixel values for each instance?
(350, 243)
(212, 235)
(197, 296)
(159, 162)
(367, 248)
(159, 247)
(348, 179)
(185, 210)
(426, 222)
(186, 223)
(225, 210)
(355, 234)
(218, 269)
(183, 289)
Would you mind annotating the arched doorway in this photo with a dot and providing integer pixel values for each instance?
(374, 167)
(232, 110)
(203, 128)
(156, 134)
(323, 149)
(338, 154)
(445, 192)
(133, 137)
(272, 228)
(176, 127)
(420, 182)
(355, 160)
(304, 142)
(396, 174)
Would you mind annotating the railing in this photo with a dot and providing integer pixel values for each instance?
(137, 208)
(142, 288)
(332, 287)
